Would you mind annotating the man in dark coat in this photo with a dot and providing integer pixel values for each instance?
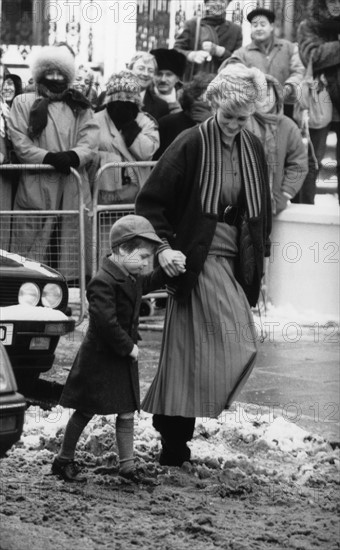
(169, 74)
(217, 39)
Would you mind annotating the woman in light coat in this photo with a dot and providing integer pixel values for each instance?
(53, 126)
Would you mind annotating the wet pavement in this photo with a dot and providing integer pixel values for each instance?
(296, 375)
(299, 381)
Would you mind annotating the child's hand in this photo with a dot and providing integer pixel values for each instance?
(134, 352)
(172, 261)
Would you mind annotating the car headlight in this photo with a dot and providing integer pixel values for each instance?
(4, 381)
(52, 295)
(29, 294)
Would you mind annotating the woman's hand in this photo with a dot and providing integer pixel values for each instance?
(172, 261)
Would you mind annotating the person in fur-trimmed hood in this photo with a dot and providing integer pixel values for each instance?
(53, 126)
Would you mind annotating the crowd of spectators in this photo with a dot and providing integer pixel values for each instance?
(62, 120)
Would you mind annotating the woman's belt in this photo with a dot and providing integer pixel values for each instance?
(232, 215)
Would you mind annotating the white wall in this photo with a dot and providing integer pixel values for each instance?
(304, 263)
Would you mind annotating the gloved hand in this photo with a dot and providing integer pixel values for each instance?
(198, 57)
(122, 112)
(213, 49)
(74, 159)
(62, 161)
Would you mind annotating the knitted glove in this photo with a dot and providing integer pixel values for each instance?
(60, 161)
(122, 112)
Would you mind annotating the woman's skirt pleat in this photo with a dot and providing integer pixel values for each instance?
(208, 348)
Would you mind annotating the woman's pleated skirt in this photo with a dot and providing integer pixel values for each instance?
(208, 348)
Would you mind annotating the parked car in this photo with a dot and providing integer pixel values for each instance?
(33, 307)
(12, 405)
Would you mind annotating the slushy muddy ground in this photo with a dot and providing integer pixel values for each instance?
(256, 482)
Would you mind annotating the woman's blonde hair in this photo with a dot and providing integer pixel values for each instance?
(144, 56)
(237, 87)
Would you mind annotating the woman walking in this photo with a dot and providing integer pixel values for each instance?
(208, 197)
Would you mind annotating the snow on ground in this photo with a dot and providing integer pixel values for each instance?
(212, 446)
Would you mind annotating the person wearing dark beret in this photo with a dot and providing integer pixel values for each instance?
(270, 15)
(168, 78)
(277, 57)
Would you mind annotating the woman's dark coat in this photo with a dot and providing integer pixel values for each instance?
(170, 127)
(104, 378)
(170, 199)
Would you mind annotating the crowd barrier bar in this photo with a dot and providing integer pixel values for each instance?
(80, 213)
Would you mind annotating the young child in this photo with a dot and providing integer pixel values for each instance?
(104, 376)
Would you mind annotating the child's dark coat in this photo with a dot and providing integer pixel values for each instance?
(103, 378)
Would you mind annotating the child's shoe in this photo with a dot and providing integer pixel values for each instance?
(67, 470)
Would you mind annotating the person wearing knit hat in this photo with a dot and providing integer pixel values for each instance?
(277, 57)
(208, 196)
(53, 125)
(171, 66)
(127, 135)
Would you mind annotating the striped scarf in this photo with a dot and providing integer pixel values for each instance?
(211, 175)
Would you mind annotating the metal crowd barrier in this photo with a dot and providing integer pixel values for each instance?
(104, 215)
(50, 246)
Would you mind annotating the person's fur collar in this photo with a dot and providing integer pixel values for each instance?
(52, 57)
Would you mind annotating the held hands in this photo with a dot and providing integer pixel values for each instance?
(134, 352)
(172, 261)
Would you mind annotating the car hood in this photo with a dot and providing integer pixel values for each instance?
(31, 313)
(10, 260)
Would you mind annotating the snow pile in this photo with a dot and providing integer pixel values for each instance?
(237, 446)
